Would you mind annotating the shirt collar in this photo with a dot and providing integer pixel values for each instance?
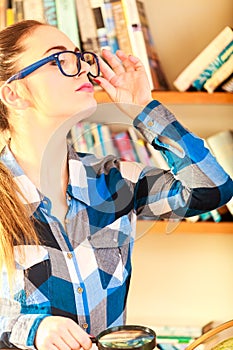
(77, 185)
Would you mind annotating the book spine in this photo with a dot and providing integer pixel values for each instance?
(213, 66)
(97, 6)
(219, 76)
(50, 12)
(110, 26)
(33, 9)
(67, 20)
(228, 84)
(136, 36)
(9, 16)
(198, 64)
(121, 27)
(3, 7)
(17, 6)
(124, 146)
(158, 75)
(88, 33)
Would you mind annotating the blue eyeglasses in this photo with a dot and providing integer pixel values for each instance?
(69, 63)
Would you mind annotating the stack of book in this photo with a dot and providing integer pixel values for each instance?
(212, 69)
(94, 25)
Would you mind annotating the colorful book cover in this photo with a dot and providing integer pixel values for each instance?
(213, 66)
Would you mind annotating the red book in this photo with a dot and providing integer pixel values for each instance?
(124, 145)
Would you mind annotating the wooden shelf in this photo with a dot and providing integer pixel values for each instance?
(176, 97)
(144, 227)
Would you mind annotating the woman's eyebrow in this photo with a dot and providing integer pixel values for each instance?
(62, 48)
(59, 47)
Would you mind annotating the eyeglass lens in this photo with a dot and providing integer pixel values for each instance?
(71, 65)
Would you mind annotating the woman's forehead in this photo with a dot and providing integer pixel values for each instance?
(42, 39)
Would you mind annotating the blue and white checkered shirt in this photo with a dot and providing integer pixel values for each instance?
(82, 269)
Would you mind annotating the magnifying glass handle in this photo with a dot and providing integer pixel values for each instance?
(93, 339)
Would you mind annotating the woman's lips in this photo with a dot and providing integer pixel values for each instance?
(87, 87)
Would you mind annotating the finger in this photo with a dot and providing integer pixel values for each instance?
(113, 61)
(80, 336)
(70, 340)
(61, 344)
(125, 59)
(130, 60)
(106, 70)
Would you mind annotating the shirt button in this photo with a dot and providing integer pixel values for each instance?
(85, 325)
(69, 255)
(150, 123)
(80, 290)
(69, 198)
(67, 221)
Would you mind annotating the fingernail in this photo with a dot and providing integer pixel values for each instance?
(97, 81)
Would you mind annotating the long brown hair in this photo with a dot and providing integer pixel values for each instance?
(16, 228)
(11, 45)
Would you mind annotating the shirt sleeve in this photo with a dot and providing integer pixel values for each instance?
(16, 328)
(196, 182)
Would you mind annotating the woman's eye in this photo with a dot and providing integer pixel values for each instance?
(53, 63)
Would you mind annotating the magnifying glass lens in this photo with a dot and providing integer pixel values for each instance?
(127, 337)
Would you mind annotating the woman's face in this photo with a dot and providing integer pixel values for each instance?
(51, 93)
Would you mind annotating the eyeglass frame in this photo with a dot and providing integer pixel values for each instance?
(54, 57)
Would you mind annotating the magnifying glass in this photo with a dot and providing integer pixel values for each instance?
(126, 337)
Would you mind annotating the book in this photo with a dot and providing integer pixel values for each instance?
(3, 7)
(228, 84)
(107, 139)
(88, 33)
(33, 9)
(110, 25)
(97, 8)
(124, 146)
(219, 76)
(50, 12)
(97, 148)
(17, 6)
(9, 16)
(221, 145)
(213, 66)
(121, 27)
(67, 20)
(142, 43)
(78, 139)
(185, 79)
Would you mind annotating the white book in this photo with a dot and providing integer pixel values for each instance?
(206, 56)
(219, 76)
(221, 145)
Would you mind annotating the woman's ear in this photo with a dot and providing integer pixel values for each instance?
(11, 98)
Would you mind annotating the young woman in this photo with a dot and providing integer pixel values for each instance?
(75, 281)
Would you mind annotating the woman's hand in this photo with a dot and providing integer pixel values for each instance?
(61, 333)
(124, 79)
